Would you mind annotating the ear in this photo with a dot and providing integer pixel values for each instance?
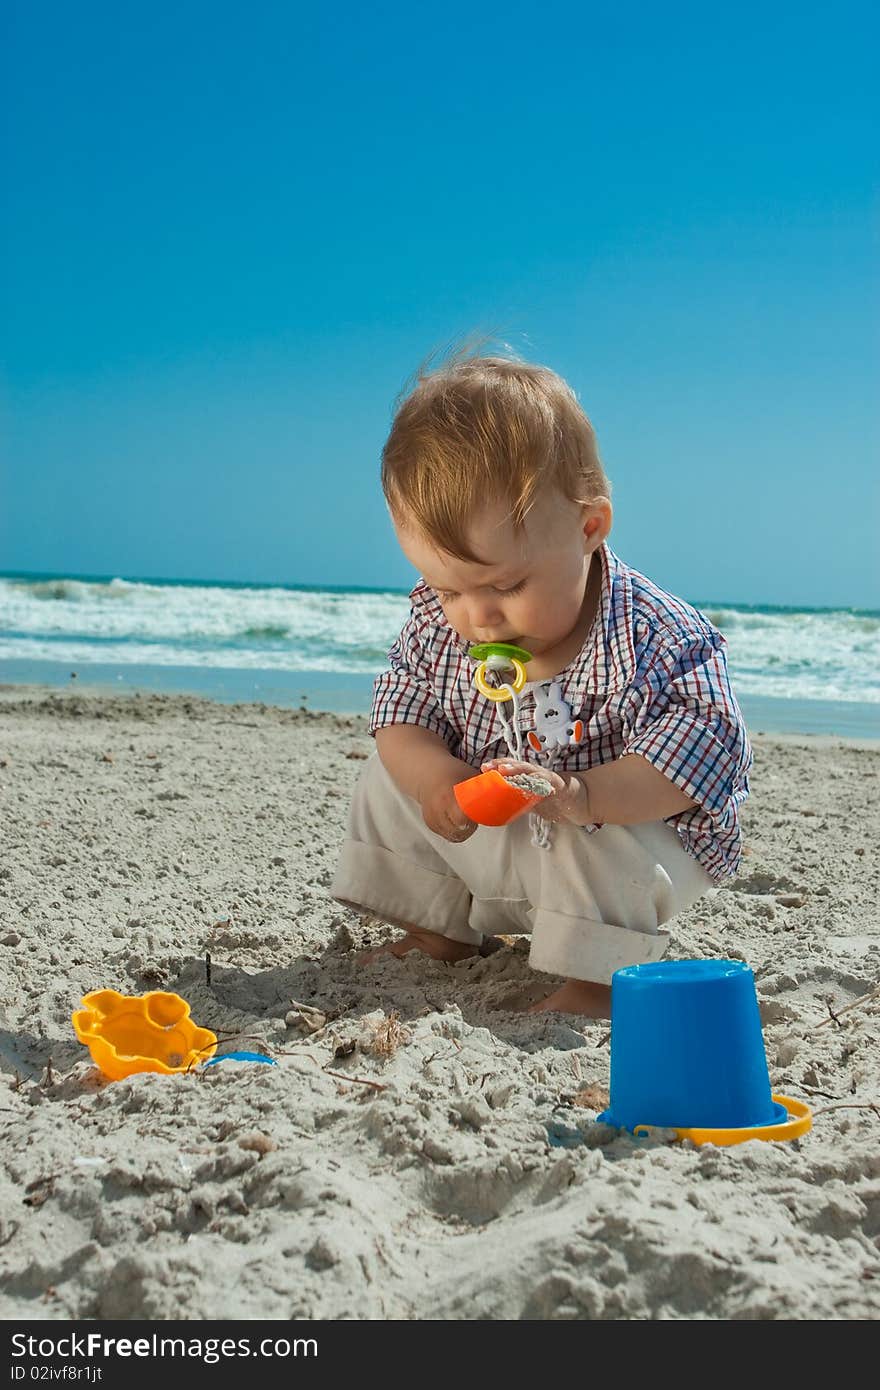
(596, 519)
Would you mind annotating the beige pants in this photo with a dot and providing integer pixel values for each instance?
(591, 902)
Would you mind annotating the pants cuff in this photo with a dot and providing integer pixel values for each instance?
(585, 950)
(367, 879)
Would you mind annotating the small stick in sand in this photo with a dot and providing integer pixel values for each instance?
(227, 1035)
(361, 1080)
(836, 1017)
(849, 1105)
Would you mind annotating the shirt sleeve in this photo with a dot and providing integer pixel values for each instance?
(687, 724)
(405, 694)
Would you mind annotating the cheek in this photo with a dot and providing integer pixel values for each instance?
(536, 614)
(543, 599)
(552, 606)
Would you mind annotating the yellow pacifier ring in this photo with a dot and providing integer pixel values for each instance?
(496, 656)
(492, 692)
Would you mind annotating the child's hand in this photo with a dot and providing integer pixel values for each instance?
(569, 792)
(442, 813)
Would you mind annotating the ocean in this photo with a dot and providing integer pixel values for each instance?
(795, 670)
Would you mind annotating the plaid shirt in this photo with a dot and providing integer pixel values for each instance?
(651, 678)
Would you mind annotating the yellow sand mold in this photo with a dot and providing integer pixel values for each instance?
(127, 1033)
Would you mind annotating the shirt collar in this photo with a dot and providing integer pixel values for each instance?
(606, 660)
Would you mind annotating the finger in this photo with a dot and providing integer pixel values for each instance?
(461, 832)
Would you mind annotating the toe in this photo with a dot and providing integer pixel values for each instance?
(367, 957)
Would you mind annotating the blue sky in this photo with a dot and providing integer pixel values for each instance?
(232, 232)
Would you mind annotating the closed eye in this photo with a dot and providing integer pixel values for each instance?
(446, 595)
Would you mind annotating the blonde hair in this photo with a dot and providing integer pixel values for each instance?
(480, 429)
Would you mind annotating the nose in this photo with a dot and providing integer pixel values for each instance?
(485, 616)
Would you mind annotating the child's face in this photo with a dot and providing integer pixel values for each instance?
(530, 588)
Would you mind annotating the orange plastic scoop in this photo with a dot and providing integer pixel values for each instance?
(127, 1033)
(491, 799)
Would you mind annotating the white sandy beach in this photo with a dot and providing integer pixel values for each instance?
(449, 1165)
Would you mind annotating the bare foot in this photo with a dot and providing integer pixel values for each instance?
(429, 942)
(577, 997)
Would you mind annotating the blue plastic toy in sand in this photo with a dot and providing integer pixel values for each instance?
(687, 1053)
(241, 1057)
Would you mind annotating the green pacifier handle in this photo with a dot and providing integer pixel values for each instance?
(510, 653)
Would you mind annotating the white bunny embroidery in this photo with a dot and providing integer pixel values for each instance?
(554, 726)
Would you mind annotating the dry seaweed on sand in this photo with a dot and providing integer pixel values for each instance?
(384, 1037)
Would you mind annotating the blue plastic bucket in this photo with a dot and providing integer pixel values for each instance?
(687, 1049)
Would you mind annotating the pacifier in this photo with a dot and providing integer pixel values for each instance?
(499, 656)
(490, 798)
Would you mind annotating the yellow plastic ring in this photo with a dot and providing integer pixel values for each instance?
(491, 692)
(799, 1122)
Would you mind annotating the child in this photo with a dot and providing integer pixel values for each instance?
(498, 498)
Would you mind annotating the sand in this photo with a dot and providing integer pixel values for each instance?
(427, 1150)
